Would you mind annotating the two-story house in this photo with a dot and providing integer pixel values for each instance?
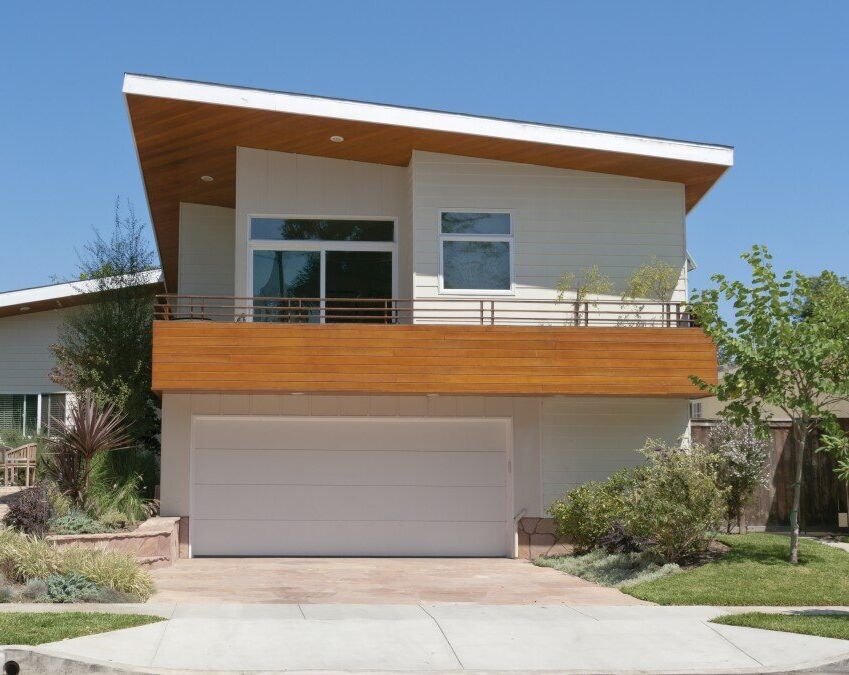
(362, 350)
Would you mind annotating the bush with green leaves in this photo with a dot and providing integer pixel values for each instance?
(29, 511)
(24, 558)
(669, 508)
(76, 523)
(676, 506)
(589, 512)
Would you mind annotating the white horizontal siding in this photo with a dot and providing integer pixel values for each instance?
(590, 438)
(281, 183)
(206, 250)
(563, 220)
(25, 356)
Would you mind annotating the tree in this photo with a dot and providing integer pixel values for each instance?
(656, 280)
(742, 451)
(592, 282)
(788, 348)
(104, 347)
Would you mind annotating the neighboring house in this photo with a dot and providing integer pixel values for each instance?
(362, 352)
(29, 324)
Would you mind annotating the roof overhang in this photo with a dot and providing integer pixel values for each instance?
(70, 294)
(184, 130)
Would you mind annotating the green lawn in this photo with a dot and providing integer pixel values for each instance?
(35, 628)
(756, 572)
(822, 625)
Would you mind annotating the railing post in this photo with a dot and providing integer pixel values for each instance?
(481, 312)
(492, 312)
(586, 314)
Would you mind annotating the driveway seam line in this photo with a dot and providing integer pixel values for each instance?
(301, 610)
(589, 616)
(444, 637)
(161, 639)
(733, 644)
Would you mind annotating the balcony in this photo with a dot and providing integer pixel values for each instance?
(428, 346)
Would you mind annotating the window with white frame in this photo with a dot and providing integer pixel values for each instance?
(322, 269)
(475, 251)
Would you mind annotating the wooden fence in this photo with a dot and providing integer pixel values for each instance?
(823, 496)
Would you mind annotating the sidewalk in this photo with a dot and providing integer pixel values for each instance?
(442, 637)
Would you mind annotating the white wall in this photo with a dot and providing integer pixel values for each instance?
(590, 438)
(25, 357)
(177, 410)
(206, 261)
(279, 183)
(558, 443)
(563, 220)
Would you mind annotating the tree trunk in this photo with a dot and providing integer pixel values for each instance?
(742, 528)
(800, 436)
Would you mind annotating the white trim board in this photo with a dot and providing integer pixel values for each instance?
(302, 104)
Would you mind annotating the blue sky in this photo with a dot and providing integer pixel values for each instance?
(768, 78)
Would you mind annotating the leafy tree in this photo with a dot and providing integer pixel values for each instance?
(742, 451)
(592, 282)
(789, 349)
(656, 280)
(104, 347)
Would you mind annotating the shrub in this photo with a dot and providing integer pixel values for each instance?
(676, 505)
(24, 558)
(35, 590)
(611, 569)
(29, 511)
(76, 523)
(90, 430)
(742, 452)
(589, 512)
(71, 587)
(7, 594)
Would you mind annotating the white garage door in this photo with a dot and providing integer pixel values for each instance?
(350, 487)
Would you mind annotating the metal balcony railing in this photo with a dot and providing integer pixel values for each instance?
(440, 310)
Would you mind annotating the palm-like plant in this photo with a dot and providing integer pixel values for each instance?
(89, 430)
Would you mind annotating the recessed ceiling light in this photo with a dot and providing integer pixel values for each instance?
(297, 393)
(207, 179)
(337, 139)
(25, 308)
(433, 395)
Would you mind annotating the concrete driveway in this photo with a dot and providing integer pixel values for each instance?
(390, 581)
(433, 637)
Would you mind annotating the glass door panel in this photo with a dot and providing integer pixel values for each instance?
(279, 275)
(363, 279)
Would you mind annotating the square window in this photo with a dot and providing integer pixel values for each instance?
(475, 250)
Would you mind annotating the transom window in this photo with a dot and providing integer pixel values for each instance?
(303, 264)
(475, 252)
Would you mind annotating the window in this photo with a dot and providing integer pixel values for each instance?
(301, 265)
(476, 252)
(20, 412)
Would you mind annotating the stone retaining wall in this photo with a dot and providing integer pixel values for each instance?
(537, 539)
(155, 543)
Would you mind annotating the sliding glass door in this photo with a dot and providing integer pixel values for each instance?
(329, 271)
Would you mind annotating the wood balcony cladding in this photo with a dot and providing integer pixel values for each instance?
(206, 356)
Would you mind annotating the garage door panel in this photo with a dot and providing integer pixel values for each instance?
(233, 537)
(353, 467)
(350, 486)
(351, 434)
(347, 503)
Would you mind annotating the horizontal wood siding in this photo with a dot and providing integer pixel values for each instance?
(415, 359)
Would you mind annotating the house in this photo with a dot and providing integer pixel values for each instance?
(29, 322)
(362, 352)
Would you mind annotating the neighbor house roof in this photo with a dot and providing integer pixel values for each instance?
(184, 130)
(56, 296)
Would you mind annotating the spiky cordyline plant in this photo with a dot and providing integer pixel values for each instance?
(89, 430)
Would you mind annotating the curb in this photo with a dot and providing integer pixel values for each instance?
(34, 660)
